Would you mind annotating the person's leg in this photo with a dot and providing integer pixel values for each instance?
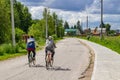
(53, 53)
(45, 53)
(28, 53)
(34, 54)
(46, 56)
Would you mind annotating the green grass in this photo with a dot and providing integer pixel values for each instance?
(8, 56)
(109, 42)
(7, 51)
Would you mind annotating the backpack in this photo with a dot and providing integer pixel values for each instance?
(49, 46)
(31, 45)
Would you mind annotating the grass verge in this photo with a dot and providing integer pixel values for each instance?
(112, 42)
(8, 56)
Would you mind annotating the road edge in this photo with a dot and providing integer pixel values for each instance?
(87, 74)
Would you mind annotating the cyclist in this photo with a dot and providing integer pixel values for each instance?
(31, 46)
(50, 45)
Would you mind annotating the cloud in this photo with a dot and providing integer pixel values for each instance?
(69, 5)
(72, 17)
(111, 6)
(93, 6)
(36, 12)
(74, 10)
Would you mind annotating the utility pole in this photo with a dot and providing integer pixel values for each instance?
(101, 34)
(12, 20)
(87, 21)
(46, 23)
(56, 27)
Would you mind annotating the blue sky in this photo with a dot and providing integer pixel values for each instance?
(74, 10)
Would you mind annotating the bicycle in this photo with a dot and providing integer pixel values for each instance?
(31, 60)
(48, 59)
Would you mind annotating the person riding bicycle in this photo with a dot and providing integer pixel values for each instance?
(50, 46)
(31, 46)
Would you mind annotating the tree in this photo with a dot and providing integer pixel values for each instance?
(60, 28)
(66, 25)
(72, 27)
(37, 30)
(53, 22)
(79, 27)
(103, 25)
(107, 26)
(22, 16)
(19, 33)
(75, 27)
(5, 28)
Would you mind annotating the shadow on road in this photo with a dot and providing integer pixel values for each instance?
(61, 69)
(55, 68)
(37, 66)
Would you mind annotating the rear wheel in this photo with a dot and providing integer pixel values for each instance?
(48, 60)
(31, 60)
(34, 61)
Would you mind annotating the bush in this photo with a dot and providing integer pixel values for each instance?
(1, 51)
(54, 36)
(8, 48)
(21, 44)
(18, 34)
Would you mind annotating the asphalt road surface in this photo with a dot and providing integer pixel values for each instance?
(71, 60)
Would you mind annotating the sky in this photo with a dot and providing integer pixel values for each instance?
(74, 10)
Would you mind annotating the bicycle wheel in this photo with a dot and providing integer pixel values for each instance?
(33, 60)
(30, 60)
(48, 60)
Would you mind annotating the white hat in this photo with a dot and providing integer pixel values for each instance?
(50, 37)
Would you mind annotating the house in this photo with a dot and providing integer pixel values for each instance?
(97, 31)
(118, 31)
(72, 32)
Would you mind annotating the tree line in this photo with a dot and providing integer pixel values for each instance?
(76, 26)
(24, 24)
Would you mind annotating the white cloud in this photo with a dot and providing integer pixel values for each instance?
(72, 17)
(48, 2)
(36, 12)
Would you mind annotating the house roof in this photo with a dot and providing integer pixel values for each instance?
(70, 30)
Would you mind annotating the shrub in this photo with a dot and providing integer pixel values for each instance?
(1, 51)
(9, 49)
(54, 36)
(21, 44)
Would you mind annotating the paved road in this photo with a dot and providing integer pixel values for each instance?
(71, 59)
(106, 63)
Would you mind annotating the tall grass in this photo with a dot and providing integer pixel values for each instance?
(8, 51)
(8, 48)
(110, 42)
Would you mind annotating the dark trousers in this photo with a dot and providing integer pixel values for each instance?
(33, 51)
(53, 53)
